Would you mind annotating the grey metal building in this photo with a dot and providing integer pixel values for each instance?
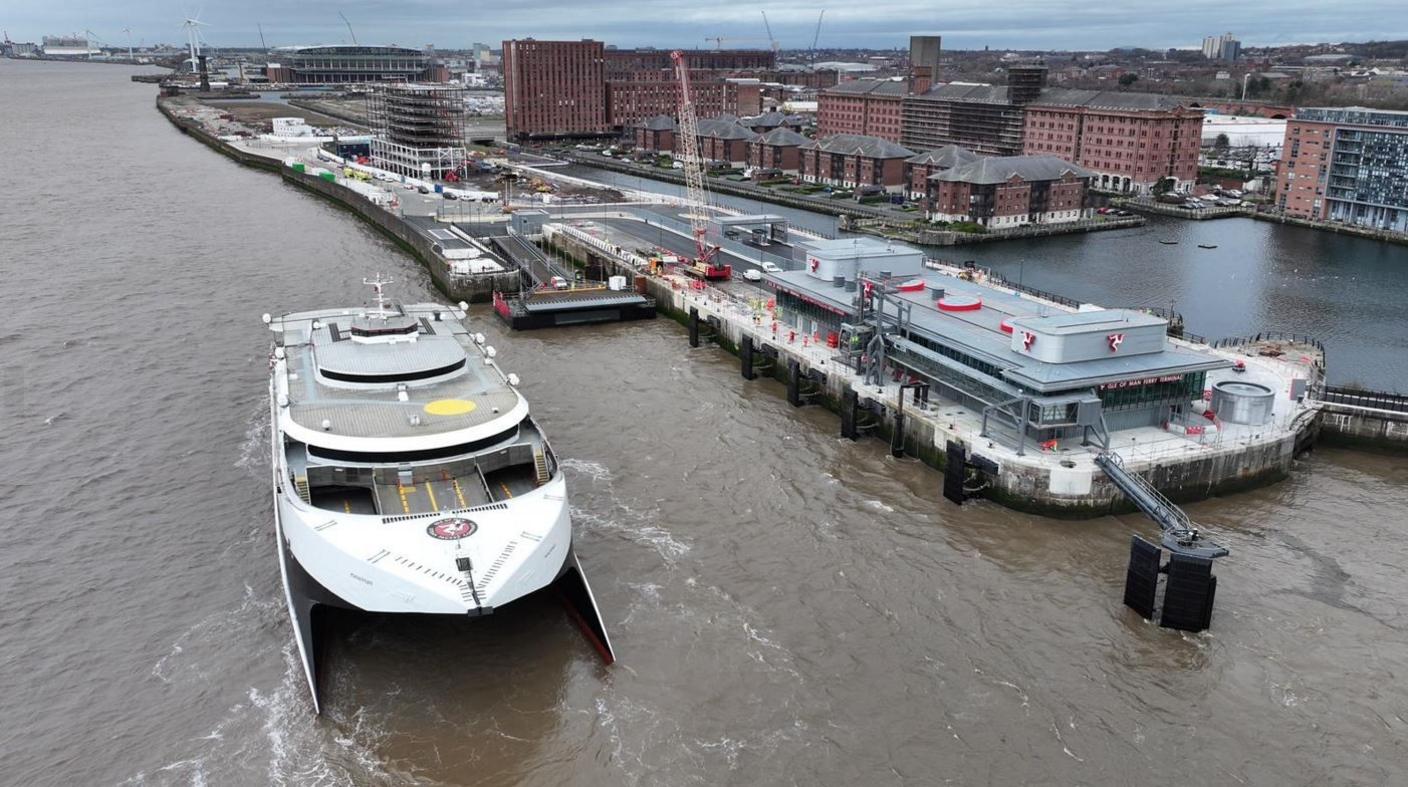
(1036, 372)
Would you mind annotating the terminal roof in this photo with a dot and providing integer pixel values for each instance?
(979, 334)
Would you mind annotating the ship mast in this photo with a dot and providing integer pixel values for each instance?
(377, 284)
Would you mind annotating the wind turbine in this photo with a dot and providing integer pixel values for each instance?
(192, 27)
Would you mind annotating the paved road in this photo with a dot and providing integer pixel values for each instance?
(654, 236)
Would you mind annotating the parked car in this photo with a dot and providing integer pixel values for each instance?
(770, 267)
(753, 274)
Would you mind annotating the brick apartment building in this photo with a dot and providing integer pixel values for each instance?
(814, 79)
(558, 89)
(777, 149)
(1002, 192)
(870, 107)
(625, 63)
(854, 161)
(656, 134)
(1346, 164)
(767, 121)
(919, 168)
(1130, 140)
(554, 89)
(631, 101)
(723, 139)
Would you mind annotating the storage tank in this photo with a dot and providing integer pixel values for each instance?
(1241, 402)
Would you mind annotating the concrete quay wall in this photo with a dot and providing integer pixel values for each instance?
(1364, 427)
(478, 288)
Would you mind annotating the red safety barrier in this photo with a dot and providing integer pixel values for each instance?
(833, 339)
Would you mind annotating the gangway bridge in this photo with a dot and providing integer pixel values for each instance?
(529, 258)
(1190, 586)
(544, 303)
(1180, 534)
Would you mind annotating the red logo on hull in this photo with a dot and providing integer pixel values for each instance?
(1028, 339)
(1115, 340)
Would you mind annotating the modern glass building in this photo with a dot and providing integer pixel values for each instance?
(1356, 161)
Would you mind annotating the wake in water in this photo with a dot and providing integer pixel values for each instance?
(618, 517)
(272, 738)
(254, 448)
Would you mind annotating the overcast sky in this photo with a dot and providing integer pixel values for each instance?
(964, 24)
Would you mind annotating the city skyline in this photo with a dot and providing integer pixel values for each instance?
(966, 24)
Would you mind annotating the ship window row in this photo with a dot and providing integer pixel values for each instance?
(394, 377)
(398, 457)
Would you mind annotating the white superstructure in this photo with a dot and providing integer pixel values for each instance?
(409, 476)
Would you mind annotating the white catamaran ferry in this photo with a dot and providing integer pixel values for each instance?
(409, 476)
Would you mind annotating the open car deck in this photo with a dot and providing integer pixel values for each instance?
(519, 465)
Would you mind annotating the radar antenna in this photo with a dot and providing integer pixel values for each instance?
(378, 284)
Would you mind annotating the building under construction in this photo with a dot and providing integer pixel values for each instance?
(417, 129)
(981, 118)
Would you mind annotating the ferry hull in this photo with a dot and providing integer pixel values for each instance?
(308, 599)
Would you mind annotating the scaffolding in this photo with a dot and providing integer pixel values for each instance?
(987, 127)
(417, 129)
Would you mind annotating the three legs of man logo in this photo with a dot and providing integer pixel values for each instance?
(1115, 340)
(1028, 339)
(452, 529)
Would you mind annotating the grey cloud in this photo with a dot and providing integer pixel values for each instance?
(965, 24)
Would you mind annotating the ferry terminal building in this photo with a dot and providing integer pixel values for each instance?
(1036, 371)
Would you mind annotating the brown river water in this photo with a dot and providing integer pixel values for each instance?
(787, 607)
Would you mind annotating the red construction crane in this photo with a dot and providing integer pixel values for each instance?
(687, 143)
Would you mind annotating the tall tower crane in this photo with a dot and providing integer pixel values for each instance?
(687, 141)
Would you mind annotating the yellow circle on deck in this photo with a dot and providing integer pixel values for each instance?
(450, 407)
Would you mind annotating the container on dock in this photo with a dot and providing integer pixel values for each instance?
(300, 167)
(328, 176)
(616, 283)
(1242, 402)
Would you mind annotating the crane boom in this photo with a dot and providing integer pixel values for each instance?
(688, 142)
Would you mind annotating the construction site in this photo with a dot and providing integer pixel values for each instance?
(417, 129)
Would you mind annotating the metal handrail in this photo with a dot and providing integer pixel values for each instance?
(1165, 510)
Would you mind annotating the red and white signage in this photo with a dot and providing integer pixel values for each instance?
(813, 264)
(1135, 383)
(1028, 339)
(1115, 340)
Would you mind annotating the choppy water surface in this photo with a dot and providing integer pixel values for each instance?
(788, 607)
